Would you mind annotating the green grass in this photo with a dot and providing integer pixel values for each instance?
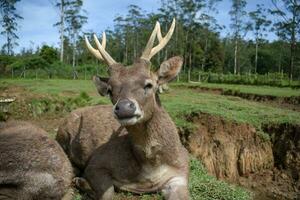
(251, 89)
(205, 187)
(180, 102)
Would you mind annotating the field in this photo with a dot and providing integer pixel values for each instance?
(50, 100)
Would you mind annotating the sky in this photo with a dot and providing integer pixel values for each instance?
(39, 16)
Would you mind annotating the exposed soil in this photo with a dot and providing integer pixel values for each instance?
(238, 153)
(292, 102)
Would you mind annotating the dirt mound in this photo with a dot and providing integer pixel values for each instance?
(286, 149)
(238, 153)
(228, 149)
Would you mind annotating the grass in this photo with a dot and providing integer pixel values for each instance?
(205, 187)
(180, 102)
(251, 89)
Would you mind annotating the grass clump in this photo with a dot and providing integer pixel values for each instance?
(205, 187)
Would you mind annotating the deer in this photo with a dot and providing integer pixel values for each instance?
(32, 165)
(132, 145)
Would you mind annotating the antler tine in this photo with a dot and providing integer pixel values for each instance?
(148, 54)
(95, 52)
(101, 54)
(159, 36)
(104, 54)
(150, 42)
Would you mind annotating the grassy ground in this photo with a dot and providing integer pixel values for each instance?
(252, 89)
(179, 102)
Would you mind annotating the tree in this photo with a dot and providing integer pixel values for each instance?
(74, 21)
(288, 25)
(62, 5)
(237, 14)
(9, 24)
(209, 24)
(259, 24)
(49, 54)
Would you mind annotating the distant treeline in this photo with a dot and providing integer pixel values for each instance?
(196, 37)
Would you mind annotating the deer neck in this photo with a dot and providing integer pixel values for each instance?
(156, 140)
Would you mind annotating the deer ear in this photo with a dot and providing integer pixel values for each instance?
(101, 85)
(169, 69)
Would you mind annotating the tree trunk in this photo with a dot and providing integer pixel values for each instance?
(204, 56)
(62, 12)
(75, 75)
(256, 56)
(190, 67)
(293, 48)
(235, 56)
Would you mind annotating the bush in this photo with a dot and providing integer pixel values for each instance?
(5, 61)
(272, 79)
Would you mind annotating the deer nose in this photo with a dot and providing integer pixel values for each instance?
(125, 109)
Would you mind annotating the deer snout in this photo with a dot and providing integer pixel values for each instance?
(125, 109)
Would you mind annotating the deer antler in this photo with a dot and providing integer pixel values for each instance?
(150, 51)
(101, 53)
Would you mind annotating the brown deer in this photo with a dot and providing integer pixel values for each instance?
(32, 166)
(132, 145)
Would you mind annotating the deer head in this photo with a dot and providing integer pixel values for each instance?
(133, 89)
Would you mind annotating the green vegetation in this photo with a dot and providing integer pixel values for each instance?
(250, 89)
(205, 187)
(232, 58)
(180, 102)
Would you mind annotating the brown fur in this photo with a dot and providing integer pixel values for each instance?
(144, 157)
(32, 166)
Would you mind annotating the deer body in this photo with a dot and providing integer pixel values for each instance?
(141, 159)
(32, 166)
(140, 151)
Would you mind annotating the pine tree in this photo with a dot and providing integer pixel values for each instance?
(9, 24)
(75, 19)
(237, 13)
(259, 24)
(62, 6)
(288, 25)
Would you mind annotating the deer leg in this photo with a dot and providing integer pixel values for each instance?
(176, 189)
(10, 194)
(69, 195)
(99, 187)
(103, 185)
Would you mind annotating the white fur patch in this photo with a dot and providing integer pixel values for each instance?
(173, 184)
(177, 181)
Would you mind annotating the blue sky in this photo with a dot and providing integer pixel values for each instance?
(39, 16)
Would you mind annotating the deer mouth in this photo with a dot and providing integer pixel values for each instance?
(127, 121)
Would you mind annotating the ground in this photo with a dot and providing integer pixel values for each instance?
(46, 102)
